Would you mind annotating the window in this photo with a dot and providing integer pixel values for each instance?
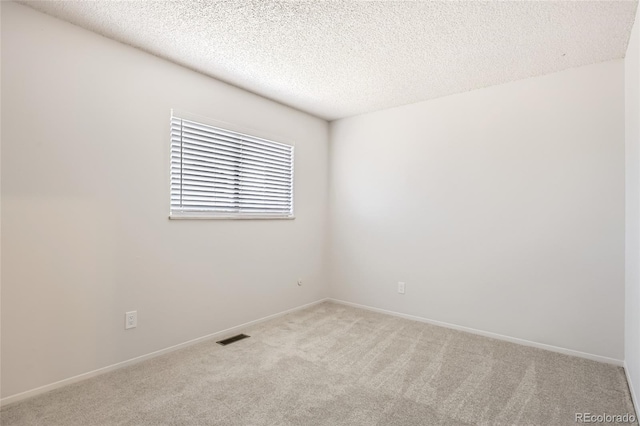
(218, 173)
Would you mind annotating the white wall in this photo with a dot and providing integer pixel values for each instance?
(85, 199)
(502, 209)
(632, 194)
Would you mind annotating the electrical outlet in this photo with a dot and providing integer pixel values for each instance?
(130, 320)
(401, 288)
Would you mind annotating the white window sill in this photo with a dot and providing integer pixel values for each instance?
(212, 217)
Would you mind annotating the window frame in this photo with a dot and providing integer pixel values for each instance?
(240, 131)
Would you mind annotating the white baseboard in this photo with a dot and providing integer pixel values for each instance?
(634, 399)
(565, 351)
(229, 331)
(46, 388)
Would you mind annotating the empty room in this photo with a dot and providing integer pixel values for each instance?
(319, 212)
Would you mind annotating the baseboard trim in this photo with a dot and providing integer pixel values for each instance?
(634, 399)
(219, 334)
(564, 351)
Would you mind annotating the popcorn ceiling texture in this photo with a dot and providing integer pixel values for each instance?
(336, 59)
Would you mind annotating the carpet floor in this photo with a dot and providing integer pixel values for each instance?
(336, 365)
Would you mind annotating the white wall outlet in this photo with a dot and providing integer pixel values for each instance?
(401, 288)
(299, 282)
(130, 320)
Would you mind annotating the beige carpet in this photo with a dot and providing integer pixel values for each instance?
(336, 365)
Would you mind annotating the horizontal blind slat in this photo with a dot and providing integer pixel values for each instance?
(188, 174)
(194, 180)
(196, 152)
(188, 124)
(230, 195)
(231, 206)
(254, 206)
(233, 141)
(231, 163)
(232, 145)
(229, 202)
(221, 187)
(196, 169)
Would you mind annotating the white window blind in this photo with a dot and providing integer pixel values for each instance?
(221, 173)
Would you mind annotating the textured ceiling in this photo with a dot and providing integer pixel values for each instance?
(335, 59)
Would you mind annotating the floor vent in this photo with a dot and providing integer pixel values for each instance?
(232, 339)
